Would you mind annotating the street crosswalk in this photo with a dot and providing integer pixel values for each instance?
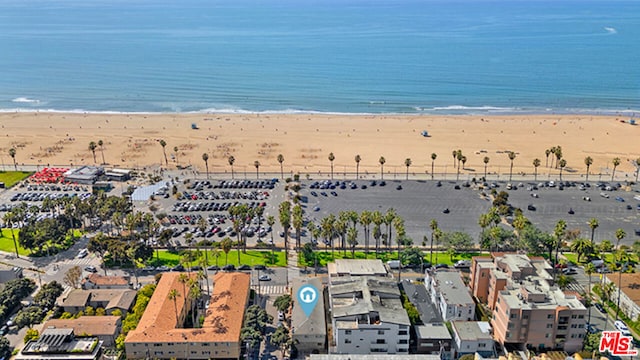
(272, 289)
(89, 260)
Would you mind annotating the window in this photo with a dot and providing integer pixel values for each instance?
(525, 316)
(574, 316)
(574, 326)
(513, 316)
(547, 335)
(549, 316)
(580, 326)
(347, 332)
(510, 326)
(482, 345)
(347, 341)
(580, 316)
(405, 341)
(402, 332)
(381, 341)
(380, 332)
(549, 326)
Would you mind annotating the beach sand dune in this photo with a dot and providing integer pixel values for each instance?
(305, 141)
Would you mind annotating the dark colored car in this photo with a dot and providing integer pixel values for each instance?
(599, 307)
(229, 267)
(178, 267)
(244, 267)
(442, 266)
(260, 267)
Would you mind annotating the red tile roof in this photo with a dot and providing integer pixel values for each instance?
(222, 322)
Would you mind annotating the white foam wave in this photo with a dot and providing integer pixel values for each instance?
(453, 109)
(611, 30)
(25, 100)
(466, 108)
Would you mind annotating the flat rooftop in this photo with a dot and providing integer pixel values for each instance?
(357, 267)
(472, 330)
(452, 288)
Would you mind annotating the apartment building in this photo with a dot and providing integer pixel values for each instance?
(368, 317)
(434, 338)
(309, 333)
(528, 308)
(97, 281)
(160, 335)
(450, 295)
(473, 337)
(629, 292)
(61, 344)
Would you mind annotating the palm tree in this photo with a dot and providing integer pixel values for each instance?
(620, 234)
(9, 219)
(616, 162)
(637, 168)
(622, 258)
(433, 160)
(558, 154)
(587, 161)
(593, 224)
(12, 153)
(257, 165)
(382, 160)
(407, 163)
(358, 159)
(455, 156)
(512, 157)
(175, 150)
(563, 163)
(173, 296)
(93, 146)
(164, 144)
(547, 153)
(459, 158)
(581, 246)
(352, 236)
(589, 269)
(536, 163)
(226, 244)
(284, 211)
(281, 160)
(205, 158)
(434, 226)
(194, 294)
(365, 220)
(101, 144)
(607, 291)
(231, 160)
(376, 218)
(486, 162)
(558, 234)
(331, 157)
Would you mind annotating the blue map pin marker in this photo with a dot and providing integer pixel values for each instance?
(308, 298)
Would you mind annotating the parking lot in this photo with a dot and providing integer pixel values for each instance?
(417, 202)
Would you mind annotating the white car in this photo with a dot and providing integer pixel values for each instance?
(604, 195)
(83, 253)
(622, 328)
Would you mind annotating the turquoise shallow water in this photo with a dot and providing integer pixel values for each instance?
(346, 56)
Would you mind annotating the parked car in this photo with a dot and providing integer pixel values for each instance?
(91, 268)
(462, 264)
(622, 327)
(83, 253)
(442, 266)
(600, 308)
(244, 267)
(229, 267)
(260, 267)
(569, 271)
(264, 278)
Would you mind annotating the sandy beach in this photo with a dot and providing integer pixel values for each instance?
(305, 141)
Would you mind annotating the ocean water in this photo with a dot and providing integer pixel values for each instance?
(335, 56)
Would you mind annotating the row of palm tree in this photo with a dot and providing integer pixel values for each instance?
(193, 294)
(458, 158)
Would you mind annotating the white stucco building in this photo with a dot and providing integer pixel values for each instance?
(368, 317)
(450, 295)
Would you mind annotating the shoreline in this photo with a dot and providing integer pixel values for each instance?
(305, 141)
(452, 110)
